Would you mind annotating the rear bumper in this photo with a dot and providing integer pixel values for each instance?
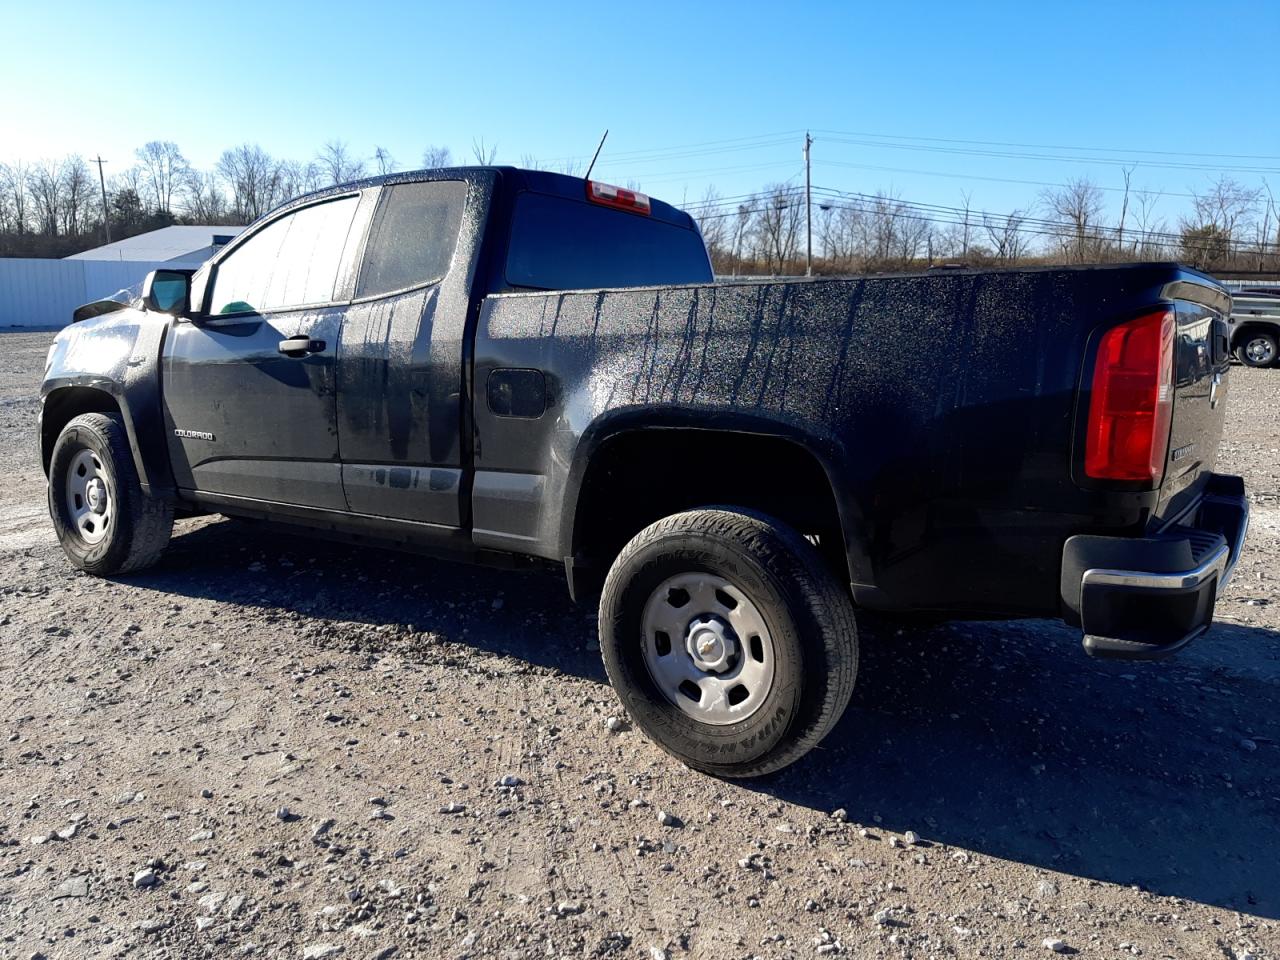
(1146, 598)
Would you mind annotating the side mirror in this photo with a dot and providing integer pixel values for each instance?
(168, 291)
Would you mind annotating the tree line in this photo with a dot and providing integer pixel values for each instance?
(53, 208)
(1227, 226)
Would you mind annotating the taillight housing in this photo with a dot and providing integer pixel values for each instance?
(620, 198)
(1131, 405)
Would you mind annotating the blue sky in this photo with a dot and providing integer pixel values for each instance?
(735, 82)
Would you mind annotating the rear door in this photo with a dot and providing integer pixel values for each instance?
(250, 387)
(401, 365)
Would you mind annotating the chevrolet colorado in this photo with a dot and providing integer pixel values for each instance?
(512, 366)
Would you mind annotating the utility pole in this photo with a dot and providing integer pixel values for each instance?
(106, 219)
(808, 209)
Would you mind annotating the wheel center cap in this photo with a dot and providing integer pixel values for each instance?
(710, 644)
(96, 493)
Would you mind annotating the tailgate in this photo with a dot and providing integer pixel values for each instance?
(1200, 391)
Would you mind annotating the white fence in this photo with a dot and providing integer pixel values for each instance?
(43, 293)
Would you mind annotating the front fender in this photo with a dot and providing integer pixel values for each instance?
(117, 356)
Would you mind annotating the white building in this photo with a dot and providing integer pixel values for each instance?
(43, 293)
(176, 246)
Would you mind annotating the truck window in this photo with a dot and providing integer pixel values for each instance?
(413, 235)
(291, 262)
(563, 244)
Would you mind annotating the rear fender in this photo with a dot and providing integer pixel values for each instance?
(828, 454)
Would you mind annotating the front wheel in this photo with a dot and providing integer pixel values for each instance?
(730, 643)
(103, 520)
(1257, 349)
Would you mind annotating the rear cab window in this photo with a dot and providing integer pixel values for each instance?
(562, 243)
(413, 236)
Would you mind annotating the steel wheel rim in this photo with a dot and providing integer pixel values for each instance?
(1260, 350)
(707, 648)
(90, 497)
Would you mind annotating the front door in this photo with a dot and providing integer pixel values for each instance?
(250, 386)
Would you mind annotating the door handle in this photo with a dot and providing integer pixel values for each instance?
(300, 346)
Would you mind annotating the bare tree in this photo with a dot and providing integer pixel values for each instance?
(7, 225)
(1267, 249)
(130, 178)
(913, 237)
(46, 189)
(77, 196)
(711, 222)
(436, 157)
(886, 230)
(1127, 173)
(1219, 216)
(777, 225)
(966, 228)
(741, 229)
(254, 180)
(1006, 235)
(1078, 207)
(15, 179)
(295, 178)
(484, 155)
(337, 165)
(383, 161)
(203, 196)
(163, 167)
(1145, 243)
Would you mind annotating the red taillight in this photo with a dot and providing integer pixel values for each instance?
(1132, 403)
(618, 197)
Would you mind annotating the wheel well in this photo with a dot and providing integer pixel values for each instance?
(62, 406)
(1249, 326)
(637, 478)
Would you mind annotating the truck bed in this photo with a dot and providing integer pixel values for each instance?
(947, 403)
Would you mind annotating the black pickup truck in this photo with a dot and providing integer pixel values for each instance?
(520, 367)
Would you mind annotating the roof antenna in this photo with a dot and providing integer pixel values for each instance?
(595, 156)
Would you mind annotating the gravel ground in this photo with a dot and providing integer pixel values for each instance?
(268, 745)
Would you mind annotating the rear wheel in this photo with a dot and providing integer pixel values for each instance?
(1257, 349)
(103, 520)
(730, 643)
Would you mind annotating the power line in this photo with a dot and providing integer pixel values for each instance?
(988, 215)
(1051, 146)
(974, 176)
(956, 216)
(978, 220)
(1004, 155)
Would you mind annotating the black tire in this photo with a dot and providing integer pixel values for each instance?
(1269, 352)
(810, 619)
(139, 526)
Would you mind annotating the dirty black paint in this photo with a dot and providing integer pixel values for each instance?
(942, 405)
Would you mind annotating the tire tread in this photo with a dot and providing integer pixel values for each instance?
(150, 520)
(789, 558)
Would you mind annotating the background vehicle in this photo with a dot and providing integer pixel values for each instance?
(1255, 320)
(510, 366)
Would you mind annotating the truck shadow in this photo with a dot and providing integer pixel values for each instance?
(1006, 740)
(999, 738)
